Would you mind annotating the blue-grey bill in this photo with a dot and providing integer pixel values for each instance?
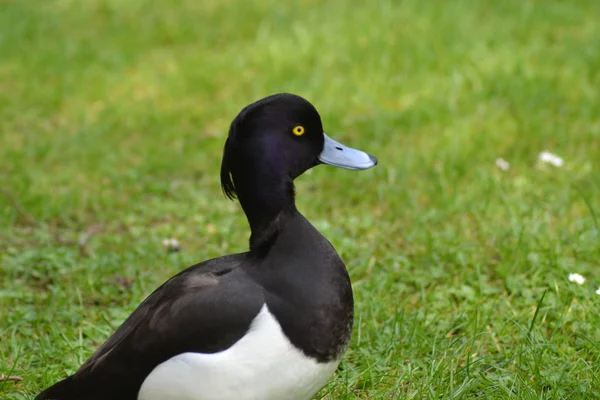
(338, 155)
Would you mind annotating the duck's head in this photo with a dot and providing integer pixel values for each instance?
(273, 141)
(280, 137)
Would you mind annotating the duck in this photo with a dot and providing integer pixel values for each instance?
(271, 323)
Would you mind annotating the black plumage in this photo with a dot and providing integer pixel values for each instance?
(208, 307)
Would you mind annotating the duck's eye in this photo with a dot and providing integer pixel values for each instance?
(298, 130)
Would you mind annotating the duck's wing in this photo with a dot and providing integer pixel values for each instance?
(205, 309)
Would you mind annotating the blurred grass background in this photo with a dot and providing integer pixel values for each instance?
(113, 114)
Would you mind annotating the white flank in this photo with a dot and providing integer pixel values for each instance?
(262, 365)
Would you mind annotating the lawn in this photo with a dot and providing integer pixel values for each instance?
(113, 115)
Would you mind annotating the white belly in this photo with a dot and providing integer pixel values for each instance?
(262, 365)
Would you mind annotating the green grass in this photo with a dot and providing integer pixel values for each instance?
(113, 115)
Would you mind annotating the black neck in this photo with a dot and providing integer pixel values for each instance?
(266, 204)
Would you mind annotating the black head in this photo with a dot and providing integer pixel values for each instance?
(276, 138)
(271, 142)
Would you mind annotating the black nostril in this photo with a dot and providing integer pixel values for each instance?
(339, 148)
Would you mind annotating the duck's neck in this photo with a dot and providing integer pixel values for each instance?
(266, 205)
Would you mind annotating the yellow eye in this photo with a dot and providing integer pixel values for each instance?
(298, 130)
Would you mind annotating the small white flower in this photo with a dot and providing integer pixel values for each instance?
(171, 244)
(502, 164)
(598, 291)
(578, 279)
(549, 158)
